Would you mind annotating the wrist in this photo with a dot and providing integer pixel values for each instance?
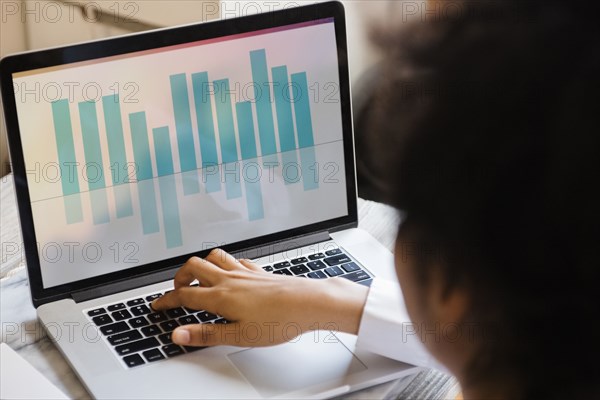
(338, 305)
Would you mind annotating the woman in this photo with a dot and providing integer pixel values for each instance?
(492, 157)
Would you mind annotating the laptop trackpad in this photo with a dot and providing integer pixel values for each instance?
(310, 361)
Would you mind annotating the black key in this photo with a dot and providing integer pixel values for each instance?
(190, 310)
(333, 252)
(114, 328)
(135, 302)
(115, 307)
(205, 316)
(366, 282)
(102, 319)
(299, 260)
(168, 326)
(172, 350)
(315, 265)
(151, 330)
(157, 317)
(191, 349)
(133, 360)
(334, 271)
(97, 311)
(125, 337)
(121, 315)
(136, 346)
(152, 297)
(221, 321)
(165, 338)
(335, 260)
(175, 312)
(138, 322)
(284, 271)
(153, 355)
(268, 268)
(140, 310)
(299, 269)
(357, 276)
(317, 275)
(281, 265)
(316, 256)
(350, 267)
(300, 276)
(187, 320)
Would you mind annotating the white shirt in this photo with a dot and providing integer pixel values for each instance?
(386, 329)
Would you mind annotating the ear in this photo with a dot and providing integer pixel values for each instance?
(446, 305)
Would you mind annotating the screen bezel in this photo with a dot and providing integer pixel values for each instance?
(152, 40)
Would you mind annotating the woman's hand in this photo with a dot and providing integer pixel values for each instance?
(264, 309)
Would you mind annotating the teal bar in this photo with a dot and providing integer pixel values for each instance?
(308, 161)
(183, 126)
(73, 209)
(302, 109)
(233, 182)
(168, 189)
(65, 147)
(91, 144)
(114, 136)
(285, 122)
(143, 170)
(93, 158)
(116, 151)
(183, 122)
(123, 201)
(141, 146)
(206, 132)
(148, 208)
(170, 211)
(246, 130)
(99, 201)
(270, 161)
(291, 170)
(225, 121)
(264, 110)
(163, 152)
(254, 199)
(230, 166)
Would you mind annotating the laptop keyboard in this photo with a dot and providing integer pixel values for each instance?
(139, 335)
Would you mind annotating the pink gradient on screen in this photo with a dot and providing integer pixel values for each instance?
(175, 47)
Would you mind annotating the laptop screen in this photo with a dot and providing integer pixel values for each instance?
(155, 154)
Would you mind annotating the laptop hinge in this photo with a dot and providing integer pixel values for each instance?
(284, 245)
(121, 286)
(149, 279)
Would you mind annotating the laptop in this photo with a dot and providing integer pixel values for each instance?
(19, 380)
(132, 154)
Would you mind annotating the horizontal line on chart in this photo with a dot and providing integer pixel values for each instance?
(179, 173)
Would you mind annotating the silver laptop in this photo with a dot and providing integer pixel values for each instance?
(134, 153)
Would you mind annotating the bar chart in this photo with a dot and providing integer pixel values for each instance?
(276, 125)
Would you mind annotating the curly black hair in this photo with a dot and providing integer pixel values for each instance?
(488, 125)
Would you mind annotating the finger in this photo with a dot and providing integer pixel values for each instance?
(196, 268)
(250, 265)
(196, 298)
(232, 334)
(223, 259)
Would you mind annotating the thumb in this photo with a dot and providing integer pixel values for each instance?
(209, 335)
